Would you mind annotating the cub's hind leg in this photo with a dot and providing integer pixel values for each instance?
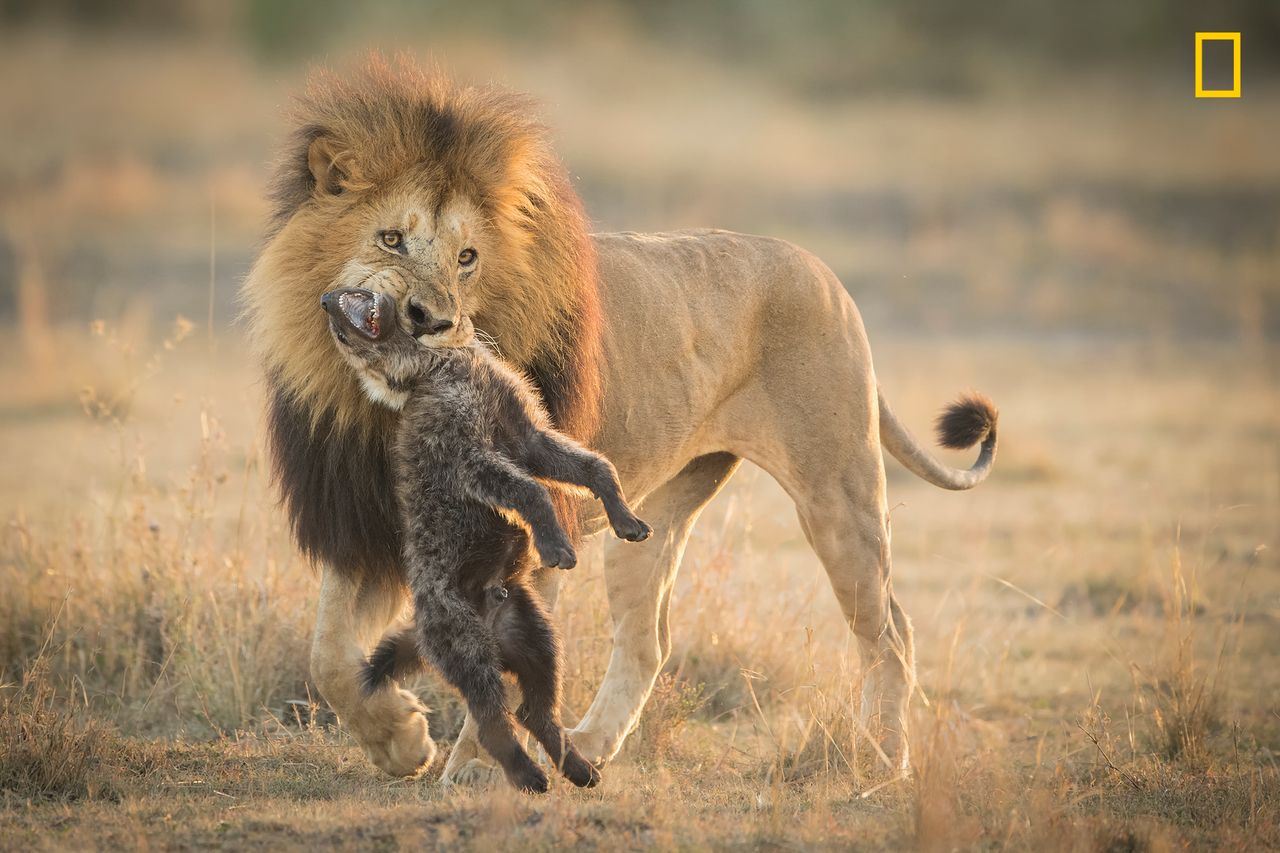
(531, 651)
(455, 638)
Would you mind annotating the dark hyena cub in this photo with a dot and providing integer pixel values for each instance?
(472, 439)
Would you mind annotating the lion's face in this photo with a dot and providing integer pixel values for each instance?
(448, 200)
(428, 256)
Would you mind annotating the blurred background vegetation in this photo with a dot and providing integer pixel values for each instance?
(1014, 166)
(821, 46)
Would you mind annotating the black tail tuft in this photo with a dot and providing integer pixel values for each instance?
(396, 656)
(967, 421)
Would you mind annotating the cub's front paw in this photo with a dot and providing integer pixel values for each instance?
(557, 555)
(631, 529)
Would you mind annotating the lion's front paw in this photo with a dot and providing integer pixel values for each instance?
(475, 773)
(395, 734)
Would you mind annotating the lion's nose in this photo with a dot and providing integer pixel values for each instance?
(424, 323)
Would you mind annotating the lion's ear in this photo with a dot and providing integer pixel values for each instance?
(331, 166)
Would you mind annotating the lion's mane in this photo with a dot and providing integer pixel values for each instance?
(388, 124)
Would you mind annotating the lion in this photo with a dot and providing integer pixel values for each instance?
(677, 355)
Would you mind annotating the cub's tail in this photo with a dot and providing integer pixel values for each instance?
(967, 421)
(395, 657)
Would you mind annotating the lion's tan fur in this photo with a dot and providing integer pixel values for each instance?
(401, 129)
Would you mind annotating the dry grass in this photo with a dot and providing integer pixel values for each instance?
(155, 641)
(50, 748)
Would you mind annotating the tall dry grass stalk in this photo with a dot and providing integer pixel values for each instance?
(1183, 691)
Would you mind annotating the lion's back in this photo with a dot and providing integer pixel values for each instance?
(692, 292)
(709, 268)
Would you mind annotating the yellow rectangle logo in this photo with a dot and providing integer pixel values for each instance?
(1234, 91)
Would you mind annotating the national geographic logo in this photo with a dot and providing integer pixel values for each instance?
(1218, 63)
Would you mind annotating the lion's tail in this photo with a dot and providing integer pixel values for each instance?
(967, 421)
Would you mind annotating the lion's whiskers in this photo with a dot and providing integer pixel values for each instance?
(489, 341)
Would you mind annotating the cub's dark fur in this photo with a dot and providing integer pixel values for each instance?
(471, 440)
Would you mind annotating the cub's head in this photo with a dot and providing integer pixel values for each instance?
(366, 330)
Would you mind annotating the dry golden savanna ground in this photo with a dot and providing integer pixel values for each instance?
(1098, 626)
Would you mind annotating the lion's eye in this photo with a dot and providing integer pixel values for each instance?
(467, 257)
(391, 239)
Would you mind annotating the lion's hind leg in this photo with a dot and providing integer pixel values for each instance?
(847, 524)
(827, 455)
